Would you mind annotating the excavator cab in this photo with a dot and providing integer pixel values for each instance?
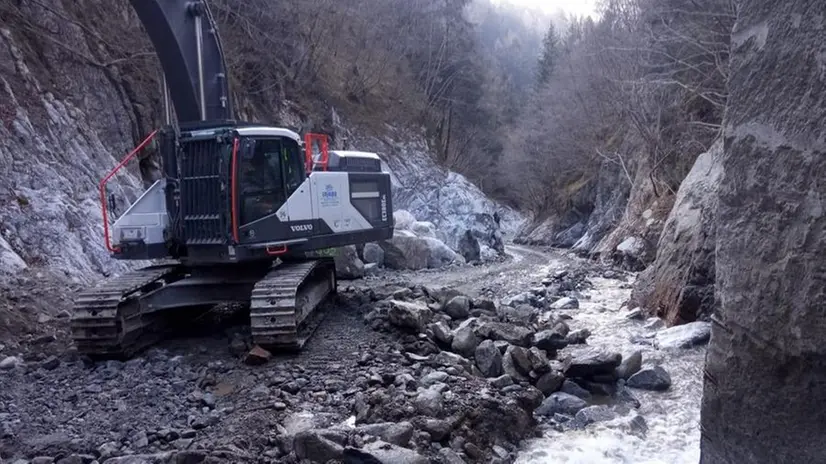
(234, 192)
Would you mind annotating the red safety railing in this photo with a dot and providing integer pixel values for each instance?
(234, 191)
(308, 151)
(102, 189)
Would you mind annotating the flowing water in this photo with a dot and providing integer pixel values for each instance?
(672, 417)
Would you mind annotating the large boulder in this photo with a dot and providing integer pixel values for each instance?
(348, 264)
(679, 285)
(405, 251)
(440, 255)
(765, 368)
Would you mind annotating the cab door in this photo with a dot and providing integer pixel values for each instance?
(260, 188)
(300, 209)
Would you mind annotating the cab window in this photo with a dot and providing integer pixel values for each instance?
(260, 180)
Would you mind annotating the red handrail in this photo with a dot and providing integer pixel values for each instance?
(234, 192)
(308, 150)
(102, 189)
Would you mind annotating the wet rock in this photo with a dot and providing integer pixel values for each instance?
(683, 336)
(488, 359)
(310, 444)
(565, 303)
(515, 335)
(655, 378)
(373, 254)
(391, 432)
(549, 340)
(257, 356)
(638, 427)
(380, 452)
(550, 382)
(561, 327)
(630, 365)
(458, 307)
(636, 314)
(624, 396)
(578, 337)
(600, 388)
(560, 403)
(593, 362)
(653, 323)
(592, 414)
(573, 388)
(411, 316)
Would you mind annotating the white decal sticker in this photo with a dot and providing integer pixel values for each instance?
(329, 196)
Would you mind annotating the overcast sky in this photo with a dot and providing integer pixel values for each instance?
(576, 7)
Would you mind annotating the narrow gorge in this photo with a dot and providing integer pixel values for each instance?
(607, 236)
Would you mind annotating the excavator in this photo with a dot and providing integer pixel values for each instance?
(242, 213)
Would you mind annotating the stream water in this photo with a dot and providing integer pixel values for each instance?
(672, 417)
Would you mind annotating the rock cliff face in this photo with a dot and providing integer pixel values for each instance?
(679, 285)
(766, 365)
(587, 225)
(64, 123)
(67, 119)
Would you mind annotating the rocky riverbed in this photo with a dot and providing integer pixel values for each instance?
(465, 364)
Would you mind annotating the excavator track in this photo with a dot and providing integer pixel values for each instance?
(107, 320)
(283, 305)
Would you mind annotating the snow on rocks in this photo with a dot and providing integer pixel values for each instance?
(414, 246)
(444, 198)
